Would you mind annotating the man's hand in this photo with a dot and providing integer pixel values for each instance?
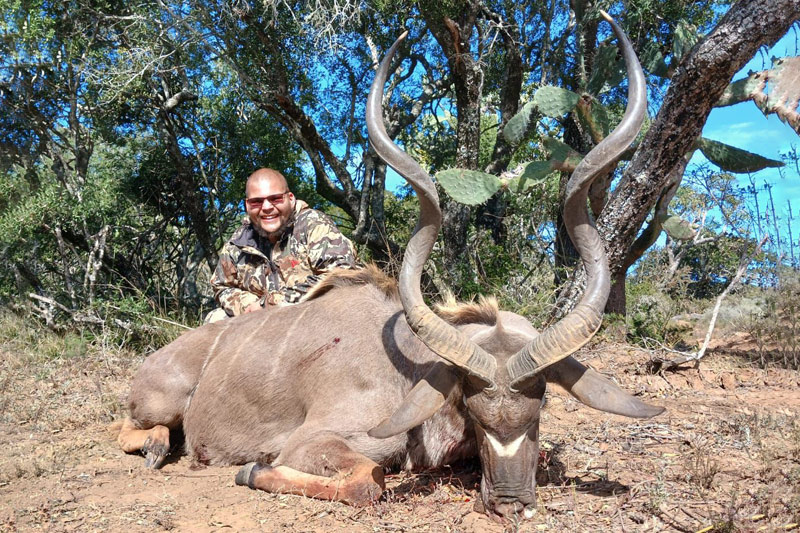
(255, 306)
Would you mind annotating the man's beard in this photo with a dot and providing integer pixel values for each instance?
(269, 234)
(273, 235)
(278, 233)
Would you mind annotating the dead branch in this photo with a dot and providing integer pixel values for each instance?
(744, 261)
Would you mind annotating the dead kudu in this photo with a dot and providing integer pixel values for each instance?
(320, 397)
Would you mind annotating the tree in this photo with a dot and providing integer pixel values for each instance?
(699, 82)
(698, 75)
(115, 180)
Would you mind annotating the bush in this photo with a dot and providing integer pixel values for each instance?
(649, 313)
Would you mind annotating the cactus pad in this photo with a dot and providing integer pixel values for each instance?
(518, 126)
(469, 187)
(555, 101)
(677, 228)
(733, 159)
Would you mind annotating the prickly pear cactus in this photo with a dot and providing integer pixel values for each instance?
(608, 71)
(783, 80)
(785, 93)
(600, 117)
(733, 159)
(686, 36)
(562, 156)
(653, 60)
(555, 101)
(677, 228)
(534, 173)
(741, 90)
(518, 125)
(594, 117)
(469, 187)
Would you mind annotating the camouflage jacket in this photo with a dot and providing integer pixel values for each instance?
(252, 269)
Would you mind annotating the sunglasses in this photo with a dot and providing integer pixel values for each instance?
(275, 200)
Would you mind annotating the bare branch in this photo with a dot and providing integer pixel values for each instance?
(744, 262)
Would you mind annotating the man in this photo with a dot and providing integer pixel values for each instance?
(280, 251)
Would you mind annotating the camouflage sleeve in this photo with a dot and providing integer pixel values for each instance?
(328, 249)
(226, 283)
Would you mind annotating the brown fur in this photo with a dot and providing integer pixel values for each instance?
(369, 275)
(484, 311)
(298, 388)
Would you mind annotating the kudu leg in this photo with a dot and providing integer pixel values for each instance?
(323, 467)
(153, 442)
(160, 393)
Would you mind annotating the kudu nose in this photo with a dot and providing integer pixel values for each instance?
(514, 510)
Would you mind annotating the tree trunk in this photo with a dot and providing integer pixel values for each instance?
(492, 215)
(617, 301)
(454, 38)
(189, 195)
(697, 85)
(699, 82)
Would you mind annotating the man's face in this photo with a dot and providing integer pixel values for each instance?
(269, 205)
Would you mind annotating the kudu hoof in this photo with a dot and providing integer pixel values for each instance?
(155, 453)
(245, 475)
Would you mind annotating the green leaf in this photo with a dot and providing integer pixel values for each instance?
(677, 228)
(469, 187)
(685, 38)
(518, 125)
(653, 60)
(555, 101)
(732, 159)
(608, 70)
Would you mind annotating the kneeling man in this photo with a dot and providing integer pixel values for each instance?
(280, 251)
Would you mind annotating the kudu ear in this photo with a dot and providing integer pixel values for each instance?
(592, 389)
(420, 404)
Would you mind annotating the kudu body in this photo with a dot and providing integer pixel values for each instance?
(320, 397)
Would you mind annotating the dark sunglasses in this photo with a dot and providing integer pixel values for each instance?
(275, 200)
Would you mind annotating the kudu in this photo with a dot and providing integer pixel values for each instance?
(318, 398)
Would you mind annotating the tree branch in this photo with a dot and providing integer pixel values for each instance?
(744, 261)
(698, 84)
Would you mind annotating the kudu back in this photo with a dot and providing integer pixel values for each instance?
(320, 397)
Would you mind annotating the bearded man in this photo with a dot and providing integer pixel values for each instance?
(281, 250)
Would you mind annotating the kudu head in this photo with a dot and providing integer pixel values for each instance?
(500, 371)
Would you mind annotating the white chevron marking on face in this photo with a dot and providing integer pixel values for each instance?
(505, 450)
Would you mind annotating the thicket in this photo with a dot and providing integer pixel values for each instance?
(127, 132)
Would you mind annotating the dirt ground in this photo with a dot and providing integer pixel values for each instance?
(725, 457)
